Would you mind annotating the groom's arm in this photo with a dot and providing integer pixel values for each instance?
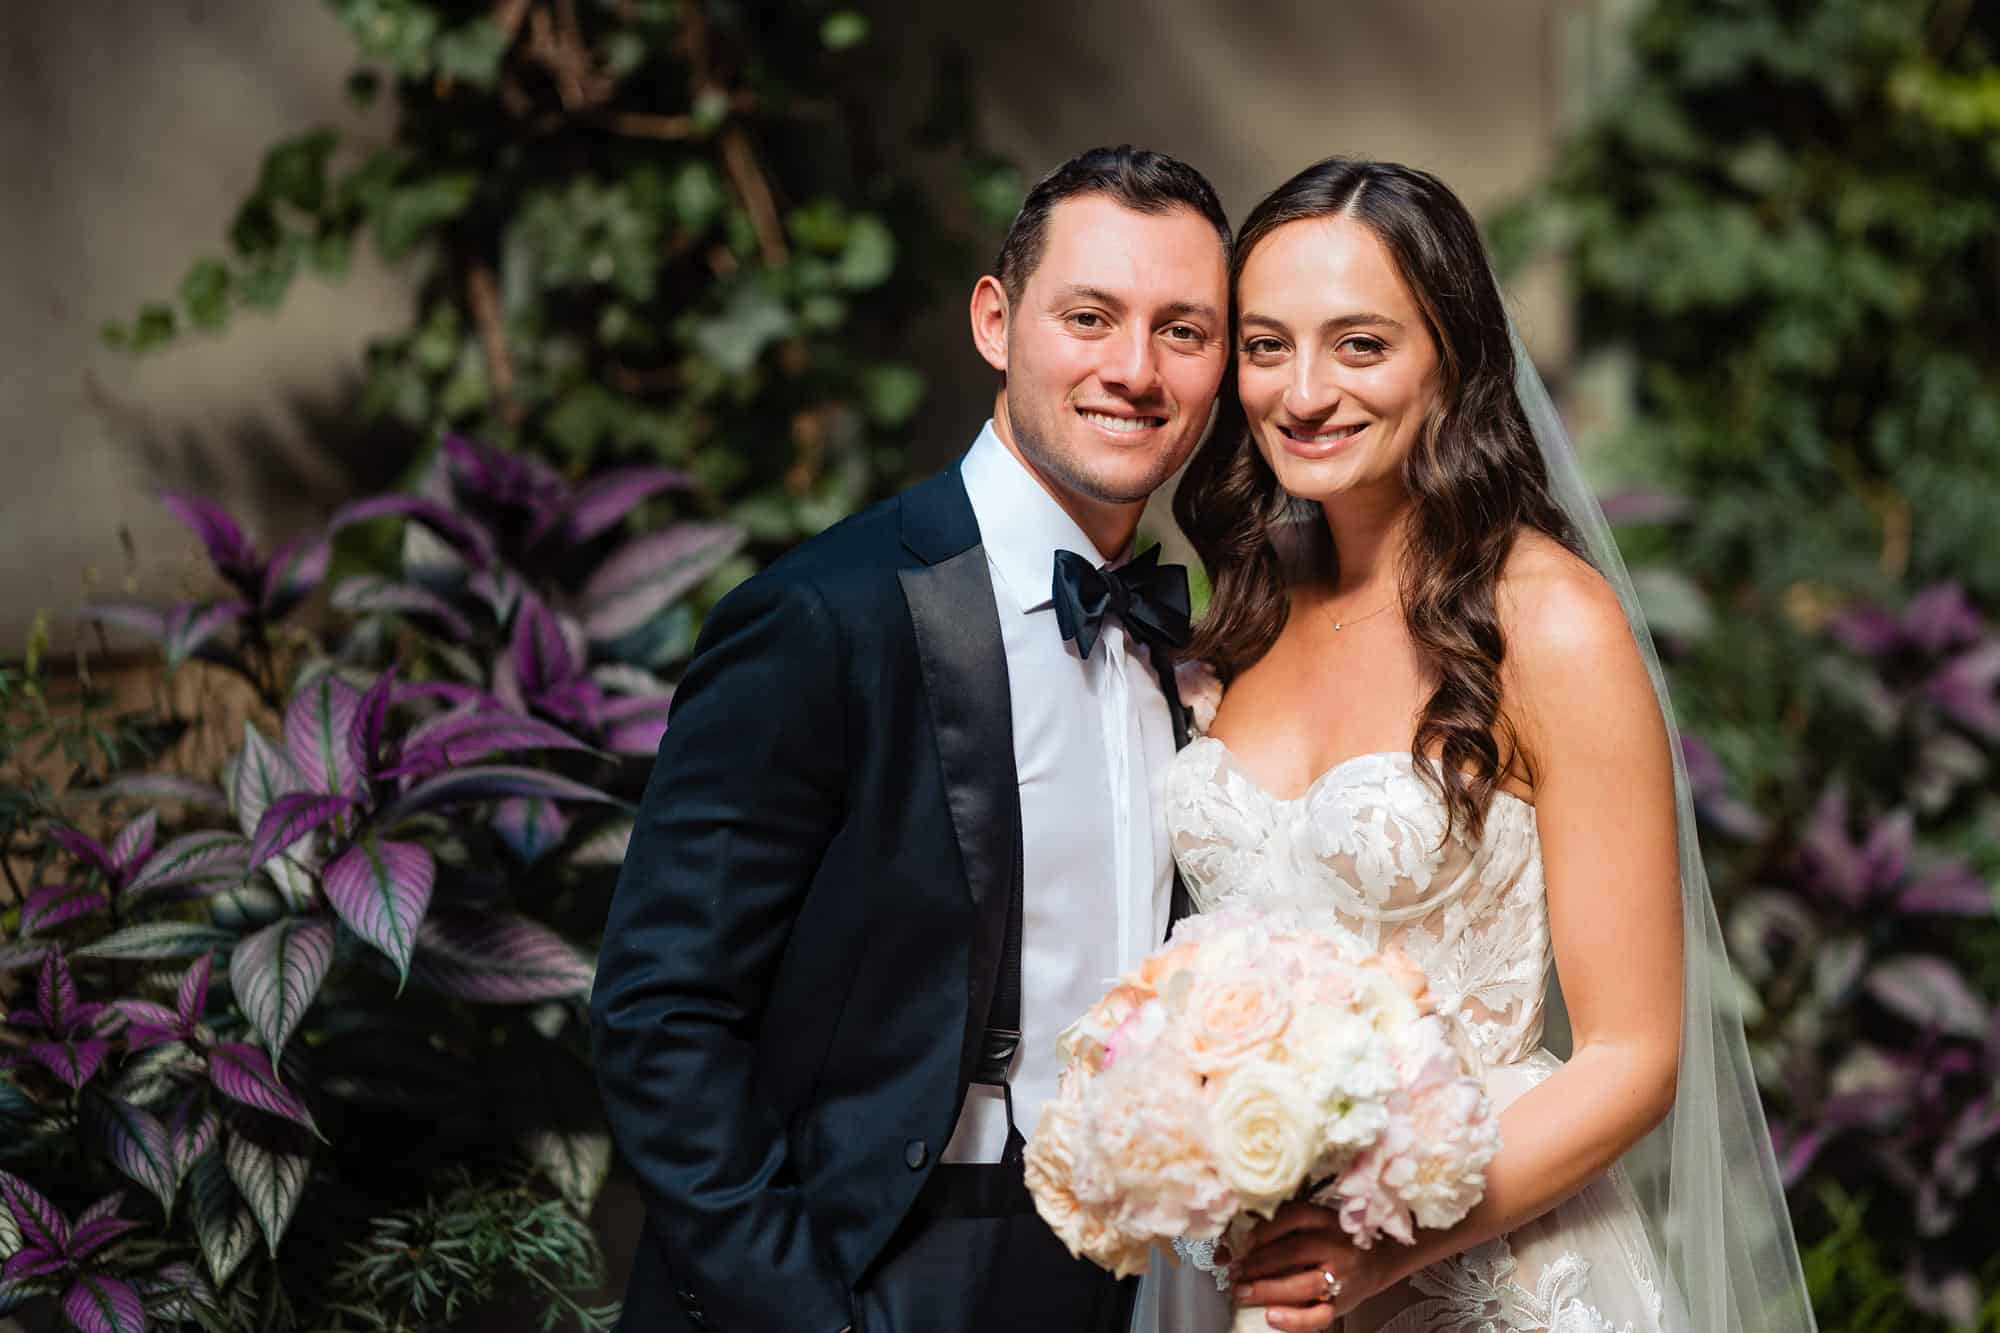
(746, 793)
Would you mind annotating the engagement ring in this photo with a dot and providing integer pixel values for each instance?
(1330, 1285)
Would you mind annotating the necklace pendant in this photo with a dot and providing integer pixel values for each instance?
(1338, 627)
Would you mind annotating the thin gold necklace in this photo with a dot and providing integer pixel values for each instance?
(1339, 625)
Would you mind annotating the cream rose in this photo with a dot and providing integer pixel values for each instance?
(1262, 1124)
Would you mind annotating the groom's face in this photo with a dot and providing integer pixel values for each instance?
(1115, 349)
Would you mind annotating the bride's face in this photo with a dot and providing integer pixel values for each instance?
(1334, 362)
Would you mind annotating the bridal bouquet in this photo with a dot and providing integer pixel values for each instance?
(1247, 1063)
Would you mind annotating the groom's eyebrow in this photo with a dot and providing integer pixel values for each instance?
(1117, 304)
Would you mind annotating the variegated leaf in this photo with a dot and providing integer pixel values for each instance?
(292, 819)
(158, 939)
(223, 1222)
(319, 735)
(200, 861)
(276, 972)
(96, 1303)
(264, 772)
(531, 828)
(497, 958)
(39, 1223)
(137, 1144)
(488, 782)
(244, 1074)
(53, 905)
(644, 576)
(382, 889)
(268, 1163)
(134, 842)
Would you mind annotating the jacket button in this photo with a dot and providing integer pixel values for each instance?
(915, 1153)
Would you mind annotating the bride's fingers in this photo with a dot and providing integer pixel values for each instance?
(1306, 1320)
(1301, 1289)
(1301, 1250)
(1290, 1218)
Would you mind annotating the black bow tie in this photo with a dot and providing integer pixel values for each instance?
(1150, 599)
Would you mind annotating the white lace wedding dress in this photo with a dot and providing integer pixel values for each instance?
(1360, 854)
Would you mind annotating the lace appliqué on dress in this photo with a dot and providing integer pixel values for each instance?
(1201, 1253)
(1477, 1292)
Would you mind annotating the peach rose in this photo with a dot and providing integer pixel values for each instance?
(1231, 1017)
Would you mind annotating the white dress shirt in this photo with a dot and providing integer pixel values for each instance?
(1092, 741)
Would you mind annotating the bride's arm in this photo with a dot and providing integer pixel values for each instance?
(1603, 788)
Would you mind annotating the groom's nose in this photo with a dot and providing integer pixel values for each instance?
(1131, 364)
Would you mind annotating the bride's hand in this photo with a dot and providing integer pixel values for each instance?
(1284, 1262)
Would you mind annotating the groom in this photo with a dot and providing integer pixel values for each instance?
(908, 820)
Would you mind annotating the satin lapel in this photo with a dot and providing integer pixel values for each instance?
(1179, 904)
(965, 678)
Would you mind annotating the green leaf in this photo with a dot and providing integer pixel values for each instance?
(331, 253)
(870, 254)
(156, 327)
(473, 53)
(223, 1224)
(843, 30)
(410, 213)
(892, 393)
(697, 195)
(295, 170)
(752, 321)
(205, 293)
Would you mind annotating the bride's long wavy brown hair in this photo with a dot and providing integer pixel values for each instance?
(1475, 476)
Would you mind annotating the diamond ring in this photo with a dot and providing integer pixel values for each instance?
(1329, 1286)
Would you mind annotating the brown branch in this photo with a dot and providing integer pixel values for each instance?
(755, 192)
(508, 16)
(482, 293)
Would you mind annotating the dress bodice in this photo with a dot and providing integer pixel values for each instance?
(1362, 854)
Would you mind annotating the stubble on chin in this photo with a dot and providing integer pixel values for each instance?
(1069, 471)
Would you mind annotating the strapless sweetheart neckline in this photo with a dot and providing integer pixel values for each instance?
(1311, 788)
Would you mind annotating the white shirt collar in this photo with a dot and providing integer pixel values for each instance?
(1020, 523)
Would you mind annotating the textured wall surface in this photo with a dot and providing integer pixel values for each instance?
(127, 133)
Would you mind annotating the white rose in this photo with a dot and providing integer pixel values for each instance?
(1263, 1127)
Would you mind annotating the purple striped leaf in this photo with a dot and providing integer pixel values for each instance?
(461, 535)
(500, 476)
(450, 693)
(11, 1239)
(56, 998)
(500, 588)
(489, 782)
(159, 787)
(190, 627)
(371, 722)
(195, 863)
(1929, 992)
(74, 1063)
(268, 1163)
(147, 1013)
(264, 772)
(276, 972)
(297, 568)
(148, 622)
(291, 819)
(634, 724)
(1967, 688)
(244, 1074)
(603, 502)
(645, 576)
(543, 649)
(40, 1223)
(382, 889)
(191, 997)
(319, 731)
(372, 593)
(21, 954)
(137, 1144)
(228, 548)
(158, 939)
(1949, 889)
(530, 828)
(178, 1294)
(53, 905)
(108, 1206)
(191, 1132)
(83, 847)
(223, 1223)
(464, 737)
(134, 843)
(99, 1304)
(497, 958)
(28, 1264)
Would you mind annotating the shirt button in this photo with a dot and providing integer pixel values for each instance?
(915, 1153)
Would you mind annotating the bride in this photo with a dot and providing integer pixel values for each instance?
(1442, 732)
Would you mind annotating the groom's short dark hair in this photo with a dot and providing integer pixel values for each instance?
(1143, 181)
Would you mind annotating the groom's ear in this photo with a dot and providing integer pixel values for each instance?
(990, 313)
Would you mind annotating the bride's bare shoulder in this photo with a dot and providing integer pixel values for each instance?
(1552, 601)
